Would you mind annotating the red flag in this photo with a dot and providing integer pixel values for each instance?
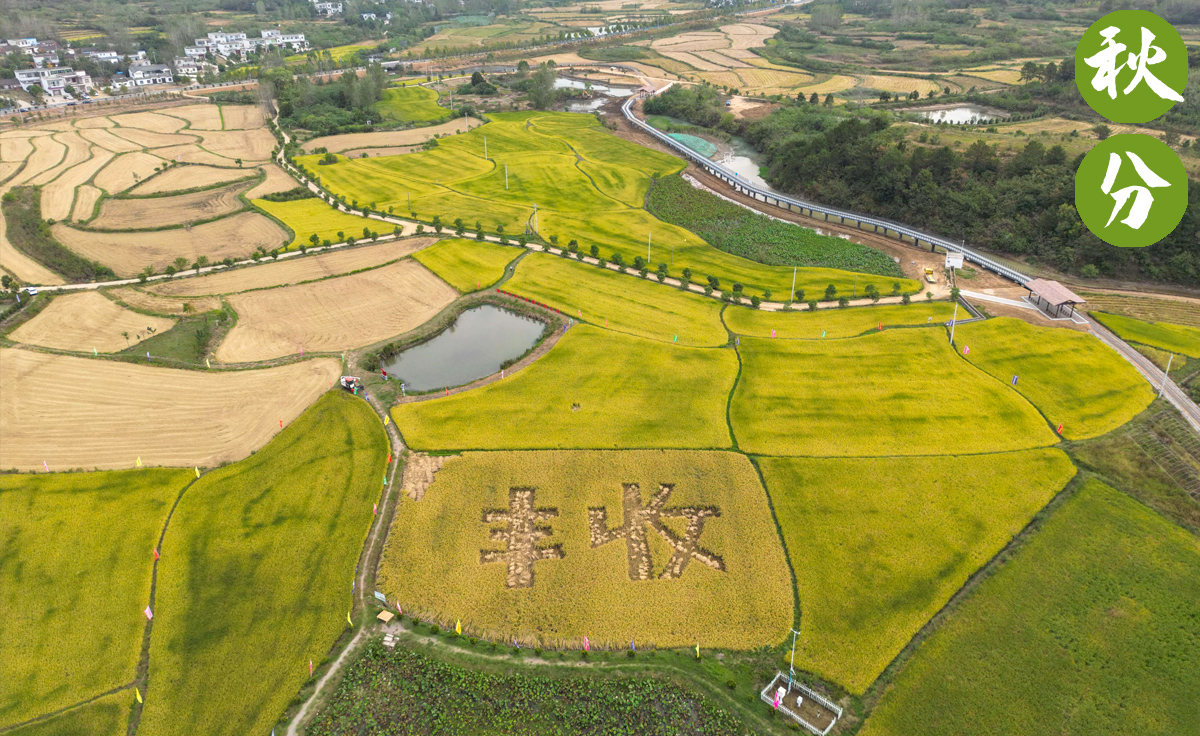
(281, 424)
(156, 554)
(881, 327)
(1060, 428)
(447, 392)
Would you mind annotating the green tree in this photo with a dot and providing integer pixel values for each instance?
(799, 295)
(830, 292)
(872, 292)
(541, 88)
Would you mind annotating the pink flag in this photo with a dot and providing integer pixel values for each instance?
(776, 704)
(966, 351)
(44, 465)
(587, 645)
(149, 613)
(310, 668)
(772, 333)
(375, 509)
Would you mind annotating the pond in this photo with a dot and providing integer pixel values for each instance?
(743, 161)
(960, 115)
(602, 89)
(475, 345)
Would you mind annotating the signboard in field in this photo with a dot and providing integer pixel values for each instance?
(954, 260)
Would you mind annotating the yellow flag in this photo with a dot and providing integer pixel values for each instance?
(697, 650)
(385, 419)
(138, 694)
(348, 620)
(139, 464)
(207, 364)
(458, 626)
(197, 472)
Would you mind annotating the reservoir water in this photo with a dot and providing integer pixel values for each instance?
(960, 115)
(475, 345)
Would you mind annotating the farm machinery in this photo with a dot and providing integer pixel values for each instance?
(353, 384)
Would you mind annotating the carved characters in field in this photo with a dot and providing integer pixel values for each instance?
(634, 529)
(525, 526)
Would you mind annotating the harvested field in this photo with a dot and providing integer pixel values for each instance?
(92, 123)
(85, 202)
(188, 177)
(193, 154)
(692, 60)
(47, 152)
(87, 320)
(723, 581)
(8, 168)
(351, 141)
(277, 181)
(772, 80)
(157, 212)
(900, 84)
(748, 35)
(15, 149)
(692, 41)
(59, 195)
(242, 117)
(149, 302)
(151, 139)
(20, 265)
(722, 79)
(836, 83)
(293, 270)
(127, 170)
(1006, 76)
(335, 314)
(128, 253)
(78, 151)
(152, 121)
(164, 416)
(203, 116)
(105, 139)
(248, 145)
(720, 59)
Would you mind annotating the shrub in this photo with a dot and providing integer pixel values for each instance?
(755, 301)
(843, 302)
(799, 295)
(594, 251)
(830, 293)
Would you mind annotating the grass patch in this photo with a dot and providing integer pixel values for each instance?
(897, 392)
(611, 592)
(308, 217)
(1073, 378)
(391, 690)
(595, 389)
(187, 342)
(833, 323)
(30, 234)
(735, 229)
(604, 297)
(1099, 605)
(879, 545)
(411, 104)
(252, 582)
(74, 578)
(1161, 335)
(467, 265)
(108, 716)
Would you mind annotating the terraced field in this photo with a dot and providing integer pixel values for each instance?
(467, 265)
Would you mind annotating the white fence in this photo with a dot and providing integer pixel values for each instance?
(768, 696)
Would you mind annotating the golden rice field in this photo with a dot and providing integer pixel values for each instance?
(834, 323)
(879, 545)
(684, 550)
(468, 265)
(1147, 309)
(312, 216)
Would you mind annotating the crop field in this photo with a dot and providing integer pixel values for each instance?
(413, 136)
(82, 573)
(277, 181)
(199, 117)
(881, 394)
(152, 121)
(606, 298)
(127, 170)
(312, 216)
(1071, 377)
(1162, 335)
(241, 117)
(879, 545)
(334, 314)
(257, 559)
(411, 105)
(128, 253)
(605, 563)
(739, 231)
(596, 389)
(454, 180)
(106, 716)
(200, 418)
(58, 196)
(887, 83)
(294, 270)
(1147, 309)
(188, 176)
(148, 302)
(468, 265)
(835, 323)
(86, 320)
(1098, 605)
(390, 689)
(160, 212)
(104, 138)
(85, 202)
(249, 145)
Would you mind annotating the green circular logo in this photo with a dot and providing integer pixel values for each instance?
(1131, 66)
(1131, 190)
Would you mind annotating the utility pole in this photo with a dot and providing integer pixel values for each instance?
(648, 235)
(535, 217)
(953, 322)
(485, 148)
(506, 177)
(792, 666)
(793, 284)
(1166, 376)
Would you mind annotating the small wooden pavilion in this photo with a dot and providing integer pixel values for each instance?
(1051, 297)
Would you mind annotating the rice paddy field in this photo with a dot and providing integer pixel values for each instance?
(312, 216)
(588, 185)
(713, 574)
(1146, 309)
(106, 716)
(74, 594)
(411, 105)
(606, 298)
(1161, 335)
(896, 392)
(468, 265)
(228, 583)
(1098, 605)
(835, 323)
(1071, 377)
(879, 545)
(596, 389)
